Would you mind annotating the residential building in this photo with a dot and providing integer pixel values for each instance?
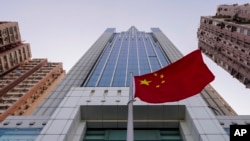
(225, 38)
(24, 82)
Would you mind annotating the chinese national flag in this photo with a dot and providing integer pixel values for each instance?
(179, 80)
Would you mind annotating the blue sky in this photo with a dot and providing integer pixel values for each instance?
(63, 31)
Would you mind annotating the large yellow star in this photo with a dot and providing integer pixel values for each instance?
(145, 82)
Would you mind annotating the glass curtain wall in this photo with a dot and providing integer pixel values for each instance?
(132, 51)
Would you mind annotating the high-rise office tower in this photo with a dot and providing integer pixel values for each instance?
(24, 82)
(90, 103)
(225, 38)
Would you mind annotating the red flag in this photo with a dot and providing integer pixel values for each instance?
(179, 80)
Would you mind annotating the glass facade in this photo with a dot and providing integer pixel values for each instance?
(19, 134)
(131, 51)
(139, 135)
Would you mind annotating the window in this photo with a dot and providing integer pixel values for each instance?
(241, 30)
(4, 33)
(1, 41)
(19, 134)
(248, 32)
(233, 29)
(202, 20)
(227, 130)
(11, 30)
(139, 135)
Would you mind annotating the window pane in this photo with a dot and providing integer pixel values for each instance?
(23, 134)
(139, 135)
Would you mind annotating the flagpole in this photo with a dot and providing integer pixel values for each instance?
(130, 122)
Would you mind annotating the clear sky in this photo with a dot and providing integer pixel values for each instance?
(62, 31)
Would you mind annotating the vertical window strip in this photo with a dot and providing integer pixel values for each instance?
(91, 78)
(120, 74)
(118, 57)
(155, 65)
(97, 69)
(137, 55)
(127, 62)
(144, 66)
(146, 52)
(163, 54)
(132, 62)
(157, 55)
(105, 64)
(106, 78)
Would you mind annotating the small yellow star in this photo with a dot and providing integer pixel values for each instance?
(157, 86)
(145, 82)
(161, 76)
(155, 74)
(163, 81)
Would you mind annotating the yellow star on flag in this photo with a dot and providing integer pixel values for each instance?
(161, 76)
(145, 82)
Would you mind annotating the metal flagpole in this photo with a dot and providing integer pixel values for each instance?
(130, 122)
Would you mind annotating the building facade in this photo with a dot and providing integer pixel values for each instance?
(90, 103)
(24, 82)
(225, 38)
